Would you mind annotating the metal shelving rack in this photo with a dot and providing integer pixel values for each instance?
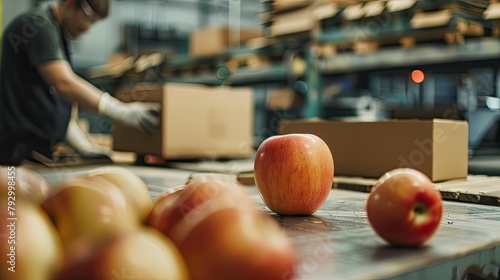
(277, 70)
(478, 52)
(485, 50)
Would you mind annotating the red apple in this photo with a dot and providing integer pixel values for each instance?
(143, 253)
(221, 234)
(163, 201)
(30, 245)
(168, 197)
(294, 173)
(404, 207)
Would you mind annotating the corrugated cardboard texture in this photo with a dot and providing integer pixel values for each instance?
(438, 148)
(197, 122)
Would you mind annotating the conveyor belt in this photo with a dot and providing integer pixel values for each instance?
(338, 243)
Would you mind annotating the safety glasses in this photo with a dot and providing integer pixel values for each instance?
(87, 9)
(90, 15)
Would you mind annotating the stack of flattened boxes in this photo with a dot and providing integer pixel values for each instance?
(285, 18)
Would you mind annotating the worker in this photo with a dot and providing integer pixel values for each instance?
(38, 86)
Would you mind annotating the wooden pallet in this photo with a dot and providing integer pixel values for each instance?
(247, 61)
(477, 189)
(436, 27)
(455, 35)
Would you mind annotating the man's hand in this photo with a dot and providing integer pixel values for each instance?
(77, 139)
(145, 116)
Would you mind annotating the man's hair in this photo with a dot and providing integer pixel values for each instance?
(101, 7)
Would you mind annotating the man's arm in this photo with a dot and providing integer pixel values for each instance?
(59, 74)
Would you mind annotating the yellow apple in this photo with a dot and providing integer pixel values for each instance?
(143, 253)
(133, 187)
(30, 246)
(88, 214)
(25, 182)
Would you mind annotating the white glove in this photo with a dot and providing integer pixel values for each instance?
(145, 116)
(77, 139)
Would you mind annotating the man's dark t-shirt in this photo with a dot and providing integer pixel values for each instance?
(29, 108)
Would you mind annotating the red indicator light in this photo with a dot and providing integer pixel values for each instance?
(417, 76)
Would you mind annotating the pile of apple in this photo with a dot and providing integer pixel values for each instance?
(104, 225)
(294, 174)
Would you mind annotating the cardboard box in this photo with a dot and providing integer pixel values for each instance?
(210, 41)
(196, 122)
(438, 148)
(301, 20)
(280, 99)
(280, 5)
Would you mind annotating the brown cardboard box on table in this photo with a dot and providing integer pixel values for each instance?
(209, 41)
(438, 148)
(196, 122)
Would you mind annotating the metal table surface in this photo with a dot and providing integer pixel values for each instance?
(337, 242)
